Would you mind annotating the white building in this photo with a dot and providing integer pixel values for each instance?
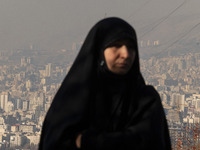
(4, 98)
(178, 100)
(16, 140)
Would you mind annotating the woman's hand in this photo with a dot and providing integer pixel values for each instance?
(78, 141)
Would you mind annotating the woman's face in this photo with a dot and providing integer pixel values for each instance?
(120, 56)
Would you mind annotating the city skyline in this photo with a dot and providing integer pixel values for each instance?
(27, 90)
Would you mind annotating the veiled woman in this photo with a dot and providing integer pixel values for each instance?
(103, 103)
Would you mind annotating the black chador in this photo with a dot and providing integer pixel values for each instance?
(111, 111)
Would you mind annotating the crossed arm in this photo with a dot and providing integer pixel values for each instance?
(149, 132)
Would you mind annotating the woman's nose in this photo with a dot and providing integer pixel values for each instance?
(124, 51)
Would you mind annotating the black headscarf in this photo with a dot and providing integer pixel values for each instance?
(86, 98)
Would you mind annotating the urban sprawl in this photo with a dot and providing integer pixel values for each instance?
(27, 88)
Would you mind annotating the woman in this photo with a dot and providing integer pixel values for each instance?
(103, 103)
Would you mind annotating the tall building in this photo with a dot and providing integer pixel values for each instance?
(23, 61)
(48, 70)
(29, 60)
(4, 98)
(10, 107)
(16, 140)
(178, 101)
(196, 100)
(28, 85)
(25, 105)
(17, 104)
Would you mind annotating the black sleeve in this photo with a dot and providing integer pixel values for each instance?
(150, 132)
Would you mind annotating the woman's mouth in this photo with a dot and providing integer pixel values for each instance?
(123, 65)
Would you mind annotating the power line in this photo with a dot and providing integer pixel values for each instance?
(195, 26)
(164, 18)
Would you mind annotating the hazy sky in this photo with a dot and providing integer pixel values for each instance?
(56, 24)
